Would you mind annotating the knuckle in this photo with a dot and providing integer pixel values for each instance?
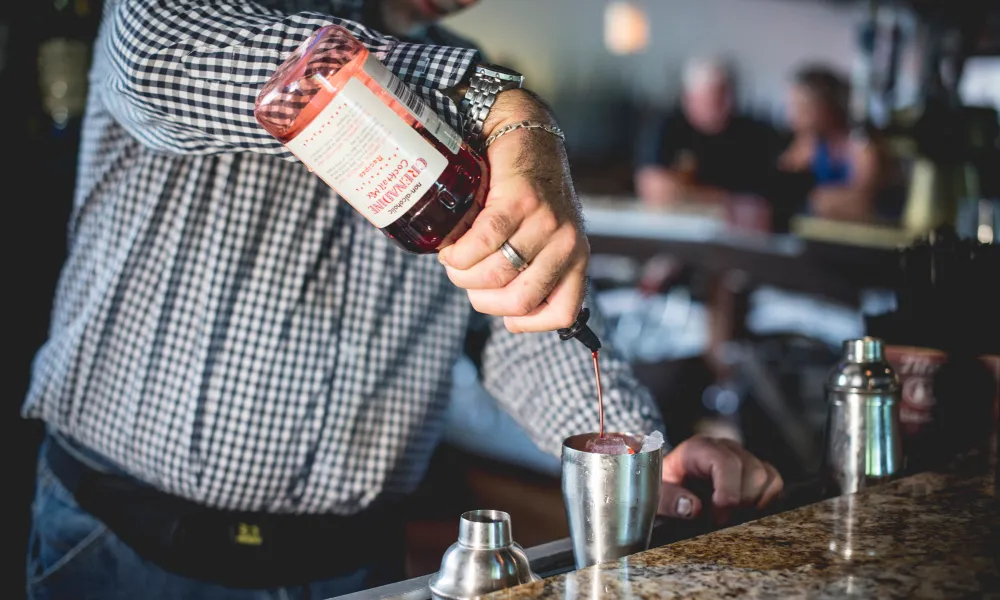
(578, 240)
(778, 479)
(566, 229)
(760, 477)
(524, 303)
(551, 279)
(500, 223)
(530, 202)
(731, 461)
(484, 239)
(498, 278)
(564, 318)
(735, 448)
(563, 242)
(712, 444)
(548, 222)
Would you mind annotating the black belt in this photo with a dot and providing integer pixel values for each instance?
(235, 549)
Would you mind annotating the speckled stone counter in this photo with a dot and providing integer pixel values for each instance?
(927, 536)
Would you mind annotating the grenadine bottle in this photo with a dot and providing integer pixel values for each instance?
(370, 138)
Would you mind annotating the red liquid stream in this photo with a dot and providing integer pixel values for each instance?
(600, 403)
(600, 394)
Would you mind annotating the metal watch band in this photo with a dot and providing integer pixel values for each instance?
(479, 99)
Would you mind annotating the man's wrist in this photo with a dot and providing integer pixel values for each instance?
(458, 91)
(513, 106)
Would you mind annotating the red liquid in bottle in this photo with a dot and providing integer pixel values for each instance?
(423, 190)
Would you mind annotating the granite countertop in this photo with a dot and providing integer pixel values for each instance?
(932, 535)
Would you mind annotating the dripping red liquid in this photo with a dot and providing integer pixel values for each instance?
(600, 394)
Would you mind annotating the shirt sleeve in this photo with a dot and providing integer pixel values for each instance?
(182, 76)
(547, 386)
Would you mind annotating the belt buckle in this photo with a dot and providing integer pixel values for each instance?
(246, 534)
(213, 533)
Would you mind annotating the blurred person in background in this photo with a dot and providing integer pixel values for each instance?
(705, 151)
(848, 171)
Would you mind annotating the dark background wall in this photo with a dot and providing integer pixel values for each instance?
(36, 187)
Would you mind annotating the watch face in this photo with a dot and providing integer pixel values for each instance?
(501, 72)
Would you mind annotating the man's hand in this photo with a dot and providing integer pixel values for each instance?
(658, 186)
(532, 205)
(739, 479)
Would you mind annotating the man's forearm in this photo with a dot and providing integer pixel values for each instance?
(184, 77)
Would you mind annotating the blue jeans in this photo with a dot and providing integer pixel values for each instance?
(72, 555)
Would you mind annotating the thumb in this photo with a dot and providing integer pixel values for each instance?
(678, 502)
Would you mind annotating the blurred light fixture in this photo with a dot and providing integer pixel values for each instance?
(626, 27)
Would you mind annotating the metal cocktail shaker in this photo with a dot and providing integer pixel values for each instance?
(611, 500)
(862, 435)
(485, 559)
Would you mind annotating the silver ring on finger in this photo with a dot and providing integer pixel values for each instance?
(515, 259)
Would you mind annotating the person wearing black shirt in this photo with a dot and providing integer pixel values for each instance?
(705, 151)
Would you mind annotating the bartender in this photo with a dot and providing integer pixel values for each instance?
(243, 380)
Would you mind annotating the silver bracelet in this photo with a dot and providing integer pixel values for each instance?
(524, 125)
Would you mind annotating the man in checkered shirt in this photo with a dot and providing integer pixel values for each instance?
(243, 380)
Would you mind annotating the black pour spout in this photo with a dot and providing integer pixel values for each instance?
(581, 332)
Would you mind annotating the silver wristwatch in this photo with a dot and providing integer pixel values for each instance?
(487, 81)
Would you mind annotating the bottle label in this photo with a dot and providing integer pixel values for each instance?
(369, 154)
(405, 96)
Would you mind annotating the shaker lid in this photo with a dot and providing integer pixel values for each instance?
(864, 350)
(485, 559)
(863, 368)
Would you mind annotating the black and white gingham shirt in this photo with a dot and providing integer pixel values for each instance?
(225, 328)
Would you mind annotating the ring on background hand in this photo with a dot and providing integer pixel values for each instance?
(515, 259)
